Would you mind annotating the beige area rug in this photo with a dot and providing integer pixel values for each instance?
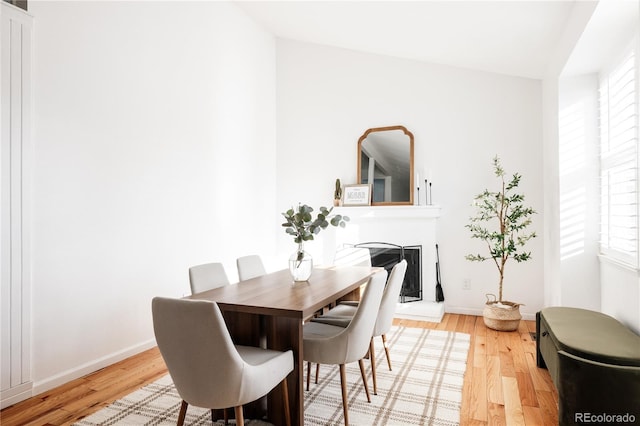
(424, 388)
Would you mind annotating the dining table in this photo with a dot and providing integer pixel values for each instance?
(269, 311)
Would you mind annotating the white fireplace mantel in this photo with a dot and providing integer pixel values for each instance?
(389, 212)
(401, 225)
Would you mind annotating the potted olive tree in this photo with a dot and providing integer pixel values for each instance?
(501, 221)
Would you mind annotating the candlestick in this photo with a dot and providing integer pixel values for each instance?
(426, 194)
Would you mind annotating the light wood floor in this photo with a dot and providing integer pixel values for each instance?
(502, 385)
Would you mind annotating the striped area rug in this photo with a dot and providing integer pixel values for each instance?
(424, 388)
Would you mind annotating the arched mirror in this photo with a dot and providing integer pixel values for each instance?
(385, 160)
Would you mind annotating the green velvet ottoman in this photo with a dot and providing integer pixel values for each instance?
(594, 362)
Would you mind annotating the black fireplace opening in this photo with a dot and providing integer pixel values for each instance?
(387, 255)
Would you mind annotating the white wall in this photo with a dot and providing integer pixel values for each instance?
(620, 293)
(579, 191)
(328, 97)
(154, 141)
(580, 16)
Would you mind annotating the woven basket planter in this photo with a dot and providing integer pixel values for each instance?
(501, 319)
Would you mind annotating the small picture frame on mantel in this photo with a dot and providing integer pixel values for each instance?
(356, 195)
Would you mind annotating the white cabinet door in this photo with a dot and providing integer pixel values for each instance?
(15, 61)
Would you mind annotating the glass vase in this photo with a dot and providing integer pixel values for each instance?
(300, 264)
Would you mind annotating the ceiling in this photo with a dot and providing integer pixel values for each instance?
(507, 37)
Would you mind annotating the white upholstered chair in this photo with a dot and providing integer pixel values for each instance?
(341, 315)
(208, 370)
(206, 277)
(329, 344)
(250, 267)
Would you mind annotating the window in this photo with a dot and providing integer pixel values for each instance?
(619, 160)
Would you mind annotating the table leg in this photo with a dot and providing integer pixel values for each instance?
(244, 328)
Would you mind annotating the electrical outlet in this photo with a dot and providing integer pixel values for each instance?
(466, 284)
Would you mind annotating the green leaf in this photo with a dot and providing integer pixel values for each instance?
(302, 226)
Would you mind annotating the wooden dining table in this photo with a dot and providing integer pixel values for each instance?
(270, 310)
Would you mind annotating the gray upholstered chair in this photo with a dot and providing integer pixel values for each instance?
(208, 370)
(206, 277)
(341, 316)
(329, 344)
(250, 267)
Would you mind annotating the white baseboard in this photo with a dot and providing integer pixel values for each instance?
(478, 312)
(16, 394)
(89, 367)
(463, 311)
(529, 317)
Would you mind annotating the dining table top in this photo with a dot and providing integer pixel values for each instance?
(277, 294)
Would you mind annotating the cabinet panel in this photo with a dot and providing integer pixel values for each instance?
(15, 27)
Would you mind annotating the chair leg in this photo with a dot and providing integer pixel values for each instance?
(285, 396)
(239, 415)
(364, 379)
(308, 374)
(386, 350)
(317, 372)
(372, 355)
(343, 383)
(183, 412)
(214, 418)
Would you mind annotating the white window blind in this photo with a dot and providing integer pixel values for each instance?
(619, 161)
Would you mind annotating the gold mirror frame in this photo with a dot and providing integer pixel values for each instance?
(411, 174)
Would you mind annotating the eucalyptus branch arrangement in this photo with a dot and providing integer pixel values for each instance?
(506, 210)
(301, 224)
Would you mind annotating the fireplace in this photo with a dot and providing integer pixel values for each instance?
(404, 226)
(387, 255)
